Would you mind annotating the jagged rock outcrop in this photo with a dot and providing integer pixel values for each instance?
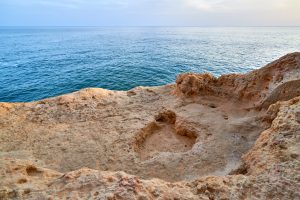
(231, 137)
(277, 81)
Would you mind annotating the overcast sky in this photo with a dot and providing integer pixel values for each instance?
(150, 12)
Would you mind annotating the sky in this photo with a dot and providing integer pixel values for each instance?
(149, 12)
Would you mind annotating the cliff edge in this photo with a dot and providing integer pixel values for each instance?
(236, 136)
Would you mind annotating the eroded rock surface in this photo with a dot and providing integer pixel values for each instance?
(232, 137)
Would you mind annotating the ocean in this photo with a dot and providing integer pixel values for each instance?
(42, 62)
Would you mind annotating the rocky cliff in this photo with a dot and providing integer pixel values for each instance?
(231, 137)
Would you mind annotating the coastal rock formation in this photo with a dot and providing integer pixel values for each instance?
(277, 81)
(231, 137)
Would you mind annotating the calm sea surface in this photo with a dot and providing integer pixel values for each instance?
(36, 63)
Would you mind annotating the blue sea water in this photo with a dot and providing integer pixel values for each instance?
(41, 62)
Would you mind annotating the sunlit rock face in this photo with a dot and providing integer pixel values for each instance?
(231, 137)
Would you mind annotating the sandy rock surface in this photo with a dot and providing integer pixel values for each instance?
(231, 137)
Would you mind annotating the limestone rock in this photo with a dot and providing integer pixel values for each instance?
(232, 137)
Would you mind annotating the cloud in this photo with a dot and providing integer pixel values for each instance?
(204, 5)
(233, 5)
